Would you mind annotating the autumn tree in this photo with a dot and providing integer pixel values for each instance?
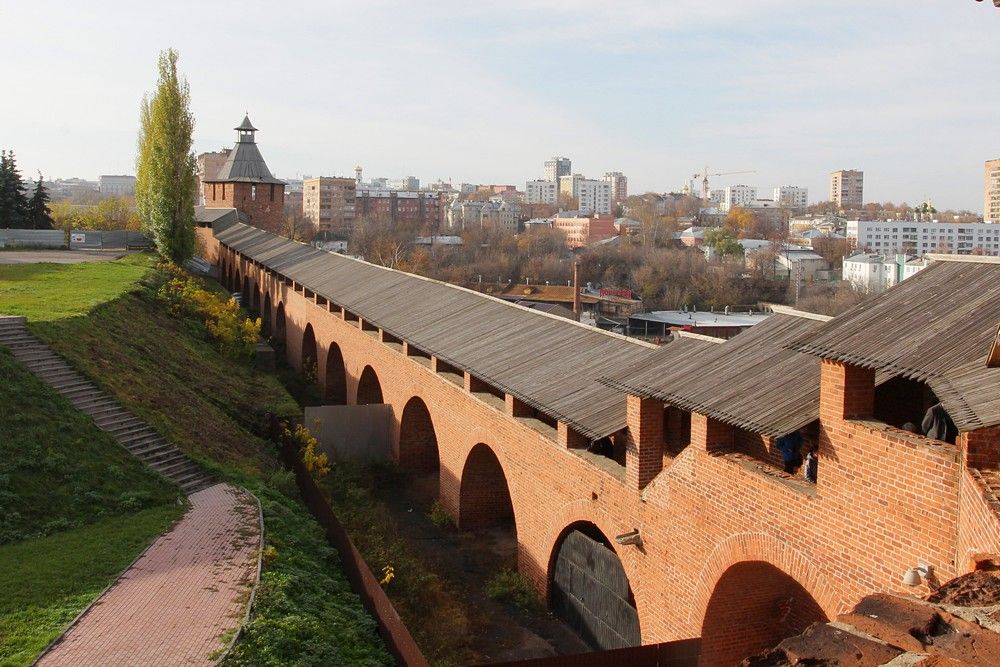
(165, 166)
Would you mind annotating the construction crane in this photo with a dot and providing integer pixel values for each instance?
(704, 179)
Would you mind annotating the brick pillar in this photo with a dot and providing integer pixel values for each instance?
(517, 408)
(982, 448)
(474, 384)
(567, 437)
(711, 435)
(846, 391)
(644, 448)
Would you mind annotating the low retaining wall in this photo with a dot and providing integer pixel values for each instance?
(395, 634)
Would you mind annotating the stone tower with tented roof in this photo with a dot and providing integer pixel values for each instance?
(245, 183)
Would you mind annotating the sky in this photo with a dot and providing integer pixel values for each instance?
(484, 92)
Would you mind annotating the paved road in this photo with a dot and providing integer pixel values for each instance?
(173, 606)
(57, 256)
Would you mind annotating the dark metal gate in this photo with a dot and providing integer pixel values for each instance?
(591, 593)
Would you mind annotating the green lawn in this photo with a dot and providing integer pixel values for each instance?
(55, 291)
(46, 582)
(162, 367)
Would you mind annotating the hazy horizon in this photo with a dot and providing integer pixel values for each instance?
(904, 90)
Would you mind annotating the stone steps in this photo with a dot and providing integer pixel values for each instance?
(128, 430)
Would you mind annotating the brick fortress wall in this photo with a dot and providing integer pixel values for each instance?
(884, 500)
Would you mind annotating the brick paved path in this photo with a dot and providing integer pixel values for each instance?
(173, 606)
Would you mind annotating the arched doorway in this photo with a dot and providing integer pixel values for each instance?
(245, 293)
(237, 282)
(418, 447)
(753, 607)
(266, 316)
(278, 338)
(369, 388)
(255, 302)
(589, 590)
(335, 384)
(308, 366)
(484, 495)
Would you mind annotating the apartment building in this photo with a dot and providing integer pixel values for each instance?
(328, 202)
(873, 273)
(591, 196)
(424, 208)
(791, 196)
(918, 238)
(557, 167)
(619, 186)
(541, 192)
(582, 229)
(737, 195)
(991, 191)
(847, 188)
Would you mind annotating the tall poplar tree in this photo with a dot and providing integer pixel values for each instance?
(165, 166)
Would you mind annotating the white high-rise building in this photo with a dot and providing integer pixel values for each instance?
(791, 196)
(591, 196)
(541, 192)
(737, 195)
(557, 167)
(619, 186)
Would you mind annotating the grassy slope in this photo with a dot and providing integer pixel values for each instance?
(63, 477)
(57, 469)
(46, 582)
(163, 368)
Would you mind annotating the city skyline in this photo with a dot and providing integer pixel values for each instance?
(791, 92)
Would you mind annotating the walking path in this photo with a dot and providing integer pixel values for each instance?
(181, 600)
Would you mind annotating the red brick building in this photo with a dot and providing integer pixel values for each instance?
(682, 505)
(419, 208)
(245, 183)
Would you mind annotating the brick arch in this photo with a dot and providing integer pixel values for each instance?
(418, 446)
(605, 620)
(280, 325)
(484, 498)
(369, 388)
(756, 576)
(769, 549)
(255, 301)
(267, 316)
(309, 357)
(334, 377)
(237, 282)
(245, 291)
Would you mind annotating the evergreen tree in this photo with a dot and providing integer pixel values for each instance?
(39, 216)
(165, 166)
(13, 203)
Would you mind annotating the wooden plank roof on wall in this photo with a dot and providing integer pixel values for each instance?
(751, 381)
(548, 362)
(936, 327)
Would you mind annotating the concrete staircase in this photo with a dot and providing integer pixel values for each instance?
(131, 432)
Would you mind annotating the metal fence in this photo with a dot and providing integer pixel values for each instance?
(78, 239)
(32, 238)
(119, 239)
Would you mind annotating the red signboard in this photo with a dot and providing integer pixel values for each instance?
(610, 291)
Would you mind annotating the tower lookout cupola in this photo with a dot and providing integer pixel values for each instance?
(245, 183)
(244, 131)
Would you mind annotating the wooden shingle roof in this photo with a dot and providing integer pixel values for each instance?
(548, 362)
(752, 381)
(936, 327)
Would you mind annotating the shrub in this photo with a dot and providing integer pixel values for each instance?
(439, 516)
(235, 336)
(318, 465)
(510, 586)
